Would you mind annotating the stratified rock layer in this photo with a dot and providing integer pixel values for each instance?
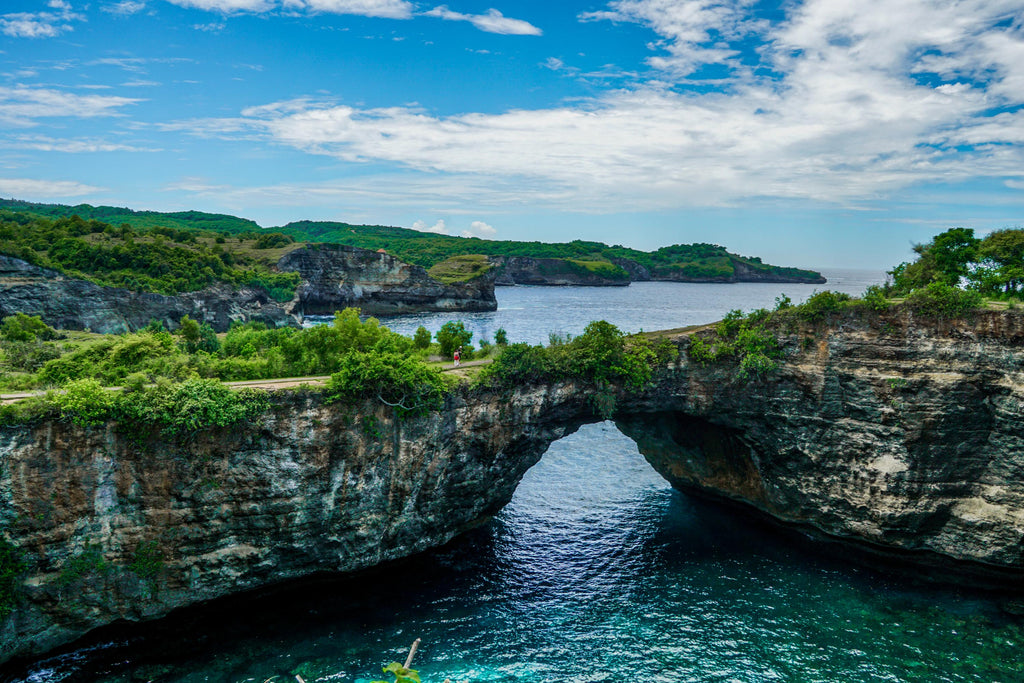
(337, 277)
(890, 433)
(71, 304)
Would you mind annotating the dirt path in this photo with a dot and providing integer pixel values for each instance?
(268, 384)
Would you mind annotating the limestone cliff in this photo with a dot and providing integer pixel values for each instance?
(558, 272)
(72, 304)
(887, 432)
(336, 277)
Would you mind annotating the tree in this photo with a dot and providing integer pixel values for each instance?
(453, 335)
(1002, 259)
(953, 250)
(421, 338)
(501, 337)
(947, 259)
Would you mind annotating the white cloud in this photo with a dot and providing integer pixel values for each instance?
(438, 228)
(227, 6)
(47, 144)
(479, 229)
(26, 188)
(491, 22)
(391, 9)
(20, 106)
(861, 98)
(124, 8)
(698, 31)
(40, 24)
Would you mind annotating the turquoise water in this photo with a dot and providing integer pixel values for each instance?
(596, 571)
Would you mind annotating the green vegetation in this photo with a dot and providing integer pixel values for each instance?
(404, 383)
(140, 220)
(147, 562)
(88, 562)
(993, 267)
(174, 411)
(454, 335)
(704, 261)
(246, 352)
(602, 355)
(461, 268)
(401, 674)
(246, 251)
(744, 339)
(11, 567)
(164, 260)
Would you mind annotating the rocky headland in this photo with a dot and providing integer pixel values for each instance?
(73, 304)
(336, 277)
(885, 431)
(333, 278)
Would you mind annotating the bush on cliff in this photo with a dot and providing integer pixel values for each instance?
(250, 351)
(740, 338)
(397, 380)
(180, 411)
(602, 354)
(939, 300)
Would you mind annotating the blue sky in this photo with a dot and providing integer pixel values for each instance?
(823, 133)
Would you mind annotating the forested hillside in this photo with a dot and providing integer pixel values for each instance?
(697, 261)
(162, 259)
(677, 262)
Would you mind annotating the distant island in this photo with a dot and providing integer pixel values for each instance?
(450, 259)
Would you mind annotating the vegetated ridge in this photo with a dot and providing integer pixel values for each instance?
(576, 262)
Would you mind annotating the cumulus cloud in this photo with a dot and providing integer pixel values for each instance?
(491, 22)
(391, 9)
(40, 24)
(21, 106)
(27, 188)
(697, 32)
(855, 100)
(438, 228)
(479, 229)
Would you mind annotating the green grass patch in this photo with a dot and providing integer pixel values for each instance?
(462, 268)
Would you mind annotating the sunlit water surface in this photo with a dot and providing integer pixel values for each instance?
(597, 571)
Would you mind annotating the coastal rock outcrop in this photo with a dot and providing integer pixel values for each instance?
(527, 270)
(72, 304)
(888, 432)
(336, 277)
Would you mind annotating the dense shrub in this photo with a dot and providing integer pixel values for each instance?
(179, 411)
(406, 384)
(26, 328)
(821, 305)
(939, 300)
(602, 355)
(744, 339)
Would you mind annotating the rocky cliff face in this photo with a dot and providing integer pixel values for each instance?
(891, 433)
(337, 277)
(70, 304)
(526, 270)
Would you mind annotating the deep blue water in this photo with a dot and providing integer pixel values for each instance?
(596, 571)
(531, 314)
